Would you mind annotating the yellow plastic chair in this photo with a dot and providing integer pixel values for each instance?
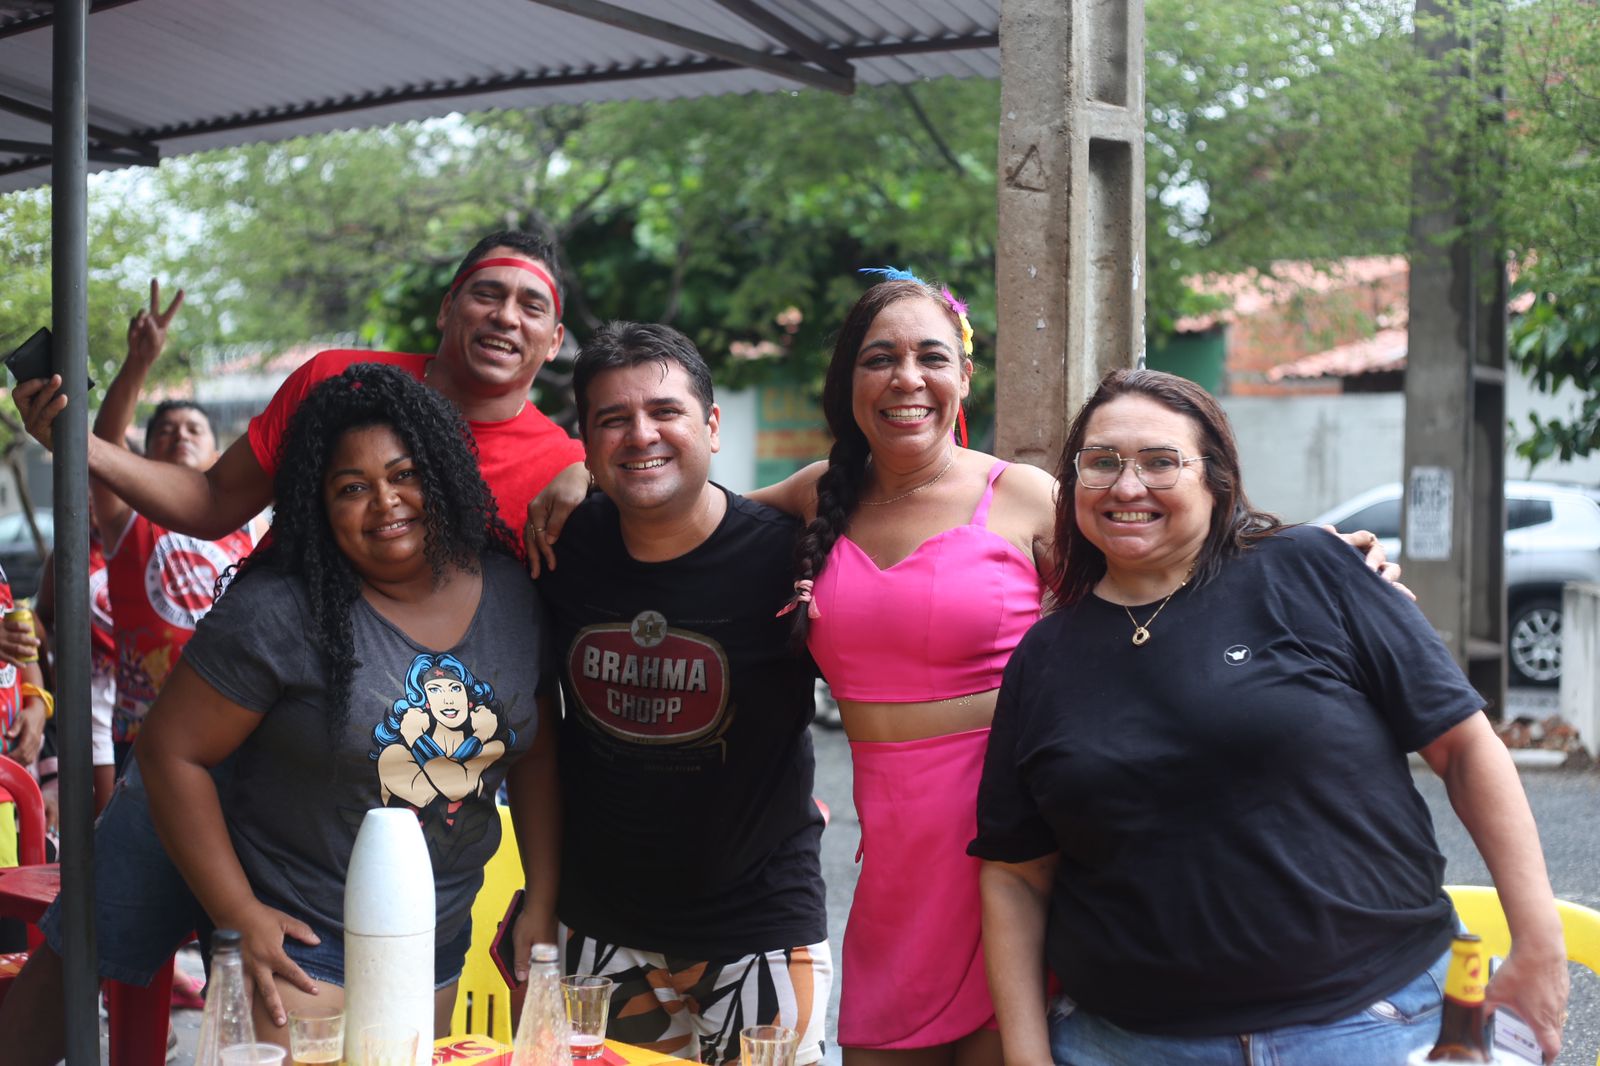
(1480, 912)
(483, 1002)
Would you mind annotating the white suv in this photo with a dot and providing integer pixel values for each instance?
(1552, 537)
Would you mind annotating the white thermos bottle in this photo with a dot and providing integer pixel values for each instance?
(388, 931)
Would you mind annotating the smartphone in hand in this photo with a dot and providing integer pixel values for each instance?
(32, 359)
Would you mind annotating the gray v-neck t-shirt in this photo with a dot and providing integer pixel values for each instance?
(430, 729)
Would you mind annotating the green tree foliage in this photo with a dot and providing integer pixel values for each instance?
(118, 236)
(1275, 131)
(1551, 211)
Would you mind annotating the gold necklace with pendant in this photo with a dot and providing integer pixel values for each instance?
(1141, 633)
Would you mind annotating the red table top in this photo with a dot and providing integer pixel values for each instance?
(25, 891)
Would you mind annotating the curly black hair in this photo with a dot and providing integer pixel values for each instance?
(460, 519)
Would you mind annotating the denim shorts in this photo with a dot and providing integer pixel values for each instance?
(324, 961)
(143, 909)
(1385, 1032)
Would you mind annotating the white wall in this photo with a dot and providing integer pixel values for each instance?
(734, 465)
(1303, 454)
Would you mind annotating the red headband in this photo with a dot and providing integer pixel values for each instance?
(525, 264)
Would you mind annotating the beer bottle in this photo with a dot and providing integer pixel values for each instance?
(1463, 1026)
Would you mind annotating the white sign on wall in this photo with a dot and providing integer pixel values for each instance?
(1430, 501)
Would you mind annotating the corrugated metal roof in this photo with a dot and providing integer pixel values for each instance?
(182, 76)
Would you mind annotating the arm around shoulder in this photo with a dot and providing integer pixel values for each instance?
(796, 494)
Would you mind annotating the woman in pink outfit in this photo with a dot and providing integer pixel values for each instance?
(918, 574)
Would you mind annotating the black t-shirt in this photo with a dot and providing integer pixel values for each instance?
(686, 761)
(1241, 845)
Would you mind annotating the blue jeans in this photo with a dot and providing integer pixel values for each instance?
(324, 961)
(1381, 1035)
(143, 909)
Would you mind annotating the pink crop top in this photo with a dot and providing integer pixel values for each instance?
(938, 624)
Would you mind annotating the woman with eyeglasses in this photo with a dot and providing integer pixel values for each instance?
(1196, 807)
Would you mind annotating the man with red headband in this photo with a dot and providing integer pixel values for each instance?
(498, 324)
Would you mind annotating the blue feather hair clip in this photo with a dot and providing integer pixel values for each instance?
(892, 274)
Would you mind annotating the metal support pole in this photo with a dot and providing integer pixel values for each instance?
(1454, 529)
(69, 293)
(1071, 199)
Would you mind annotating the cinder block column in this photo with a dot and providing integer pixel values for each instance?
(1070, 258)
(1454, 512)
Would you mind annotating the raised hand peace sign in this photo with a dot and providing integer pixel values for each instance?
(147, 330)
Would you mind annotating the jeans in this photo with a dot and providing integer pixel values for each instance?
(143, 909)
(1381, 1035)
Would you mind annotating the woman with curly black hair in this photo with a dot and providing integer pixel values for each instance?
(387, 570)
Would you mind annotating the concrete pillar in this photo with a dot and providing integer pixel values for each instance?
(1454, 513)
(1070, 255)
(1580, 662)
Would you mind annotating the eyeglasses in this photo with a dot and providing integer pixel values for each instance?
(1156, 468)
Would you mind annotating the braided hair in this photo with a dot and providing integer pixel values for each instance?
(839, 488)
(460, 520)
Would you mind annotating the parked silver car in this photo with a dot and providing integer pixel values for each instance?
(1552, 537)
(19, 554)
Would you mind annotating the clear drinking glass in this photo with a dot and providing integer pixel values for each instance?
(588, 1000)
(251, 1055)
(767, 1045)
(316, 1036)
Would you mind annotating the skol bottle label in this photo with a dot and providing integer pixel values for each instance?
(1469, 972)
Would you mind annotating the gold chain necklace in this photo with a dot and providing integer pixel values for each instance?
(910, 492)
(1141, 633)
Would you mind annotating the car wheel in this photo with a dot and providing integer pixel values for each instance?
(1534, 646)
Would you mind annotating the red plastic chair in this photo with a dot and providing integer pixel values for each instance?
(138, 1025)
(22, 887)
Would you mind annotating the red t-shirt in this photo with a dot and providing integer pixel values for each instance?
(10, 674)
(160, 584)
(102, 635)
(518, 456)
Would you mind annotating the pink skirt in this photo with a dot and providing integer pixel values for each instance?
(912, 972)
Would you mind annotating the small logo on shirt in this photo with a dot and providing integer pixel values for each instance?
(1237, 655)
(649, 629)
(181, 576)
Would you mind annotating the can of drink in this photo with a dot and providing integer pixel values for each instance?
(25, 616)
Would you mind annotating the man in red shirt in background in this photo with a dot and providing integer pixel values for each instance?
(160, 582)
(498, 324)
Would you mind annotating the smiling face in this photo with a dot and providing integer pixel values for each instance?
(649, 442)
(909, 379)
(447, 700)
(498, 328)
(1138, 528)
(372, 493)
(182, 435)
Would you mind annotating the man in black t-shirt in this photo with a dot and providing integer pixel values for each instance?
(691, 872)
